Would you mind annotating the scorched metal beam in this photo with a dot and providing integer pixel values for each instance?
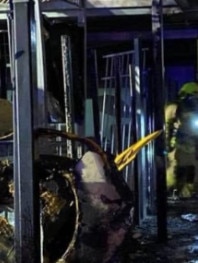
(27, 223)
(158, 108)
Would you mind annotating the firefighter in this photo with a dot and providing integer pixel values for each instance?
(182, 139)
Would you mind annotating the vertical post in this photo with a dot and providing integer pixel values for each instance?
(118, 91)
(26, 200)
(84, 22)
(140, 129)
(40, 111)
(68, 88)
(137, 126)
(104, 103)
(159, 93)
(95, 87)
(92, 118)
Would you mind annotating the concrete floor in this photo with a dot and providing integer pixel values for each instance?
(182, 243)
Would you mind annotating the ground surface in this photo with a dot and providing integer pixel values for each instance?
(182, 243)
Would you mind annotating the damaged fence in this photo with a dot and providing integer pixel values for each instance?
(79, 198)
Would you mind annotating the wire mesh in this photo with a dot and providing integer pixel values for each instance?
(108, 114)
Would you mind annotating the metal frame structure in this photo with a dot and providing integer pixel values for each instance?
(140, 123)
(159, 91)
(26, 199)
(124, 119)
(95, 8)
(26, 78)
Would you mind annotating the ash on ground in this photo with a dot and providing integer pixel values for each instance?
(182, 241)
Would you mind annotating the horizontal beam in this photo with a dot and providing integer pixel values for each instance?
(56, 9)
(130, 35)
(93, 12)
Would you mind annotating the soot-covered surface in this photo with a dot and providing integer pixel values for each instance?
(182, 243)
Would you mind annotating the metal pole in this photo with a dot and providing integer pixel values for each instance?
(118, 120)
(26, 200)
(68, 89)
(104, 103)
(91, 103)
(40, 108)
(84, 7)
(140, 131)
(159, 93)
(82, 22)
(136, 104)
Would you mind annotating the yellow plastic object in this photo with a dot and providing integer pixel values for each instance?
(128, 155)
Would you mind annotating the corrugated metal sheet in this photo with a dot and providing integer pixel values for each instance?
(109, 3)
(125, 3)
(95, 8)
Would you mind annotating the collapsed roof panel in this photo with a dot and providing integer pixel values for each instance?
(109, 3)
(72, 4)
(125, 3)
(96, 8)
